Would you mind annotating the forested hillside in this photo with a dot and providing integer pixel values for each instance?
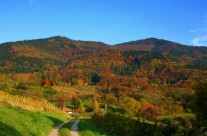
(195, 57)
(38, 55)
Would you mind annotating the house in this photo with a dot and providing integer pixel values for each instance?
(67, 110)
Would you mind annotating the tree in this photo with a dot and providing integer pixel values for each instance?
(81, 108)
(49, 93)
(74, 81)
(96, 79)
(201, 101)
(75, 101)
(143, 101)
(129, 105)
(149, 112)
(22, 86)
(111, 99)
(60, 102)
(94, 104)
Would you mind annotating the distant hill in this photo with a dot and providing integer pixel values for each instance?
(163, 46)
(51, 53)
(191, 54)
(32, 55)
(54, 47)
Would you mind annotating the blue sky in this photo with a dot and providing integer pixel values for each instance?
(109, 21)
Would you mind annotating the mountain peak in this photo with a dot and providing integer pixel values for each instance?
(147, 41)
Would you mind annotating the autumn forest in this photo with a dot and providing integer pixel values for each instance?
(144, 87)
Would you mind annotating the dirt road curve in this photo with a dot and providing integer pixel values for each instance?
(74, 129)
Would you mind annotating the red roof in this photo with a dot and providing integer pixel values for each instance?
(67, 109)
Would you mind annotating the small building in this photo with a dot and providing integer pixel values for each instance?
(68, 110)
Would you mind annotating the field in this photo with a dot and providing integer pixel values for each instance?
(171, 117)
(19, 122)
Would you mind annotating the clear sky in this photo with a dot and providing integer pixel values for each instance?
(109, 21)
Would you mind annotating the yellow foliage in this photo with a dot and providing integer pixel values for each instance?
(28, 103)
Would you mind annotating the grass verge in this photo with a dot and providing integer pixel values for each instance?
(87, 127)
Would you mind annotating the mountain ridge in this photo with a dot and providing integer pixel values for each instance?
(61, 51)
(117, 44)
(148, 44)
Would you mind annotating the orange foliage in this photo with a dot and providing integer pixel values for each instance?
(26, 51)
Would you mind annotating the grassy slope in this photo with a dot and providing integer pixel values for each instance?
(87, 127)
(18, 122)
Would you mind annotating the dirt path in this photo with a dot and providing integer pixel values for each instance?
(74, 128)
(56, 129)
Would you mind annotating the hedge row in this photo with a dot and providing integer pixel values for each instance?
(123, 125)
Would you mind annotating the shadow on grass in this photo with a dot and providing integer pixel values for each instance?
(68, 125)
(65, 130)
(87, 127)
(6, 130)
(54, 120)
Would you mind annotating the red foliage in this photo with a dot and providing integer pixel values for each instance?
(60, 102)
(46, 82)
(149, 112)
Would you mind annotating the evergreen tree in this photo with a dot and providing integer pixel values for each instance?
(201, 101)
